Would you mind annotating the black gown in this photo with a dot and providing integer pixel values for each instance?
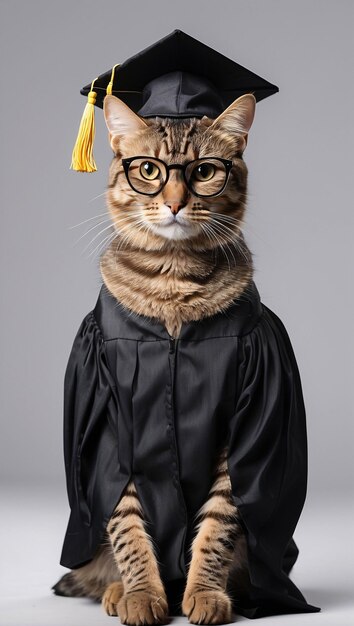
(140, 404)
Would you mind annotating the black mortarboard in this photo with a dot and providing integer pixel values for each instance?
(178, 76)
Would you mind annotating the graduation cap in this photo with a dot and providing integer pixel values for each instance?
(178, 76)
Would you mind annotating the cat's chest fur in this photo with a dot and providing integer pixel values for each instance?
(174, 287)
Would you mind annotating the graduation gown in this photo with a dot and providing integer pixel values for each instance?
(139, 404)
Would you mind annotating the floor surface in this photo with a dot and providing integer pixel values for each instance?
(33, 523)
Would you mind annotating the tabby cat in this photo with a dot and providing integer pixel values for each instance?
(178, 255)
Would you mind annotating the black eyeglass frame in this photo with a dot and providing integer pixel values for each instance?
(177, 166)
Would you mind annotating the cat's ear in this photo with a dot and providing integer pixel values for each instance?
(120, 119)
(238, 117)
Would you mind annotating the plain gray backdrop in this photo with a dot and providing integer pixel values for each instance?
(299, 223)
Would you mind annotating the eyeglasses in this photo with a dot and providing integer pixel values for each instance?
(204, 177)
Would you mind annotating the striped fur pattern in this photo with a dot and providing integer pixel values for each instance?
(217, 551)
(193, 266)
(125, 571)
(175, 271)
(144, 599)
(91, 580)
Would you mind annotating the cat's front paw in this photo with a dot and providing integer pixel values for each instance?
(207, 606)
(143, 607)
(111, 597)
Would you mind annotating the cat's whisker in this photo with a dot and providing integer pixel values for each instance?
(141, 226)
(105, 214)
(99, 196)
(241, 247)
(235, 240)
(240, 224)
(122, 237)
(226, 243)
(227, 218)
(218, 242)
(129, 215)
(215, 220)
(96, 252)
(88, 220)
(102, 240)
(124, 223)
(233, 223)
(91, 229)
(221, 231)
(228, 261)
(208, 236)
(139, 204)
(106, 241)
(228, 208)
(97, 235)
(244, 223)
(129, 207)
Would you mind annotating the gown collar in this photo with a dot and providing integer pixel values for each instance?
(116, 321)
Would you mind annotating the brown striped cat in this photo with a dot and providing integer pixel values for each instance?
(177, 256)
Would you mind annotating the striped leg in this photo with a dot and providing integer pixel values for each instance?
(205, 598)
(144, 600)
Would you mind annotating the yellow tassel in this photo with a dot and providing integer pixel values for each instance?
(110, 84)
(82, 157)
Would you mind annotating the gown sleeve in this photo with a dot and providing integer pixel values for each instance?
(267, 462)
(88, 405)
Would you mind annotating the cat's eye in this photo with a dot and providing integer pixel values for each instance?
(207, 176)
(204, 171)
(149, 170)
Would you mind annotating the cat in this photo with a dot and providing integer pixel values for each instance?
(176, 256)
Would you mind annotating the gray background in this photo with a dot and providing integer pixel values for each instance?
(299, 226)
(299, 221)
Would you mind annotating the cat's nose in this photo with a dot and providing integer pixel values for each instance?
(175, 206)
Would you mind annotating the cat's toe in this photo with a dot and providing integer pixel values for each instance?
(207, 607)
(143, 607)
(111, 597)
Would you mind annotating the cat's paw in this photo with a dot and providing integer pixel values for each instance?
(111, 597)
(207, 606)
(143, 607)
